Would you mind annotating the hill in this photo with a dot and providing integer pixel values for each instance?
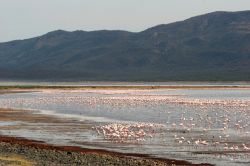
(210, 47)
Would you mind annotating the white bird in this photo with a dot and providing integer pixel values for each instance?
(245, 147)
(197, 142)
(204, 143)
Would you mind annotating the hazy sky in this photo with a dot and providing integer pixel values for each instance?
(20, 19)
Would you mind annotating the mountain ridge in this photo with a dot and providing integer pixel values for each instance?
(210, 47)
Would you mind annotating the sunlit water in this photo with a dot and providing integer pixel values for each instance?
(203, 125)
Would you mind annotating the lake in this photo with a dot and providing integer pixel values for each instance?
(209, 125)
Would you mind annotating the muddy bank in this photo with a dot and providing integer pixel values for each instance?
(40, 153)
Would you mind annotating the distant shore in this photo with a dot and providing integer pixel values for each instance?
(6, 89)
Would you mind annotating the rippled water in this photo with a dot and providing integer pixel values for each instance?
(202, 125)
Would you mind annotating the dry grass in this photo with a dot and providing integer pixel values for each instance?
(15, 160)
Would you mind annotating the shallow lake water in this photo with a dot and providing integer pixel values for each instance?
(198, 125)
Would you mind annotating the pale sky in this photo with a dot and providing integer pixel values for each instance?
(21, 19)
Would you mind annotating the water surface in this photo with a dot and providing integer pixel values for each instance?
(199, 125)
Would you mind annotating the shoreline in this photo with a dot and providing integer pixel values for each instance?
(18, 146)
(25, 88)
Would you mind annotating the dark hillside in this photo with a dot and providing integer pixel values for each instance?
(213, 46)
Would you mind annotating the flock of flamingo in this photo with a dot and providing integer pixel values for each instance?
(126, 132)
